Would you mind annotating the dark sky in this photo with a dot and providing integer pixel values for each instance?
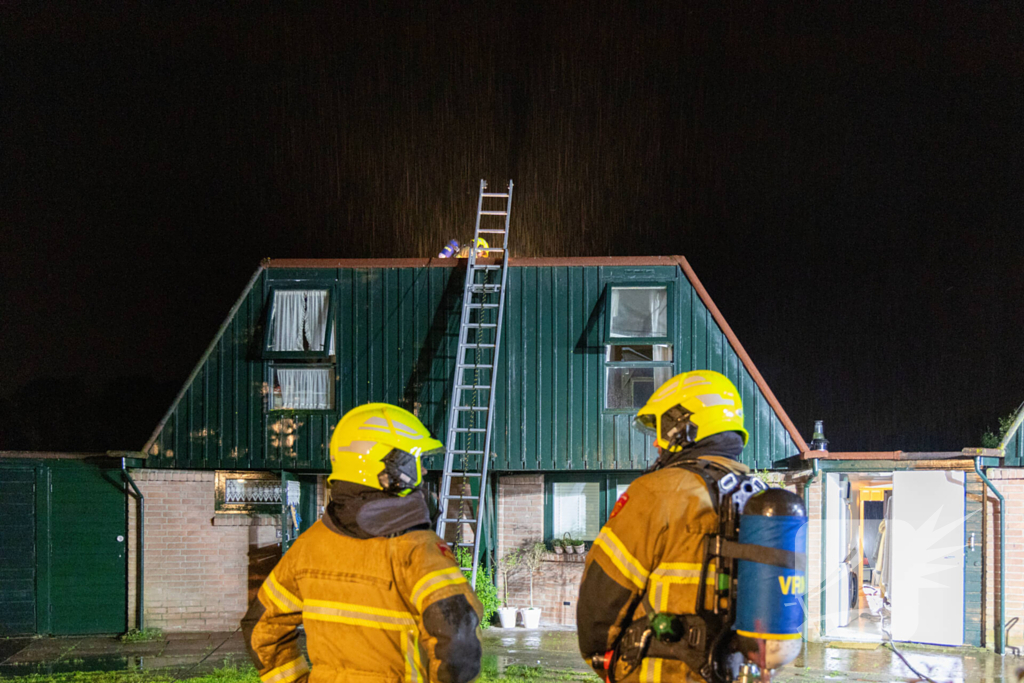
(847, 182)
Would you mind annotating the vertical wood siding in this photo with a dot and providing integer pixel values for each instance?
(396, 333)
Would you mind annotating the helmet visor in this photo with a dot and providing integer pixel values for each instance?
(648, 424)
(401, 474)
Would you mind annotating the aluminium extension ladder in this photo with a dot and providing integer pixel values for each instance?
(472, 403)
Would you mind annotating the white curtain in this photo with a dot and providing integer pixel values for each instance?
(575, 509)
(299, 320)
(639, 312)
(304, 388)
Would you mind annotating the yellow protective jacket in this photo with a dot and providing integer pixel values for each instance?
(649, 553)
(374, 610)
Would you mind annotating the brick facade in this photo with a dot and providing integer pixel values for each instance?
(521, 520)
(1010, 483)
(202, 569)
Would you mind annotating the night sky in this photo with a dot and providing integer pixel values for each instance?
(847, 182)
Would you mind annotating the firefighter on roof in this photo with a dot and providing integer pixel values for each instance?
(378, 593)
(647, 559)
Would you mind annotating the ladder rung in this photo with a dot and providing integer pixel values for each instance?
(479, 366)
(462, 497)
(451, 520)
(486, 267)
(478, 409)
(473, 387)
(470, 430)
(467, 452)
(465, 545)
(481, 305)
(493, 213)
(496, 194)
(484, 286)
(493, 232)
(463, 475)
(481, 326)
(478, 346)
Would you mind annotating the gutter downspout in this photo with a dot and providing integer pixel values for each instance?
(1000, 645)
(140, 555)
(807, 507)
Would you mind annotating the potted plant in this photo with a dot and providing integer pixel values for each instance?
(508, 563)
(556, 545)
(579, 546)
(530, 560)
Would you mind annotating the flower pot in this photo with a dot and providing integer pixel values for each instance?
(531, 617)
(507, 616)
(580, 549)
(559, 550)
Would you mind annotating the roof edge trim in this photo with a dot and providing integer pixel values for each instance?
(202, 361)
(454, 262)
(741, 352)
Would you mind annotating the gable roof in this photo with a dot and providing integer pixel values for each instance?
(672, 261)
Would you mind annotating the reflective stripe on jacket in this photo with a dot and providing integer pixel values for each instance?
(366, 608)
(649, 553)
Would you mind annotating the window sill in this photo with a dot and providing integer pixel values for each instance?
(244, 519)
(564, 557)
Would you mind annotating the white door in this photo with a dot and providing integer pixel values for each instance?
(927, 588)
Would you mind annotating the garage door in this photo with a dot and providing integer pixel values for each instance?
(18, 558)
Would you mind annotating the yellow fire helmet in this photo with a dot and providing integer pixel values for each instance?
(380, 445)
(690, 407)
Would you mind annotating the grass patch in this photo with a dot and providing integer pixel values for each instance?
(145, 635)
(247, 674)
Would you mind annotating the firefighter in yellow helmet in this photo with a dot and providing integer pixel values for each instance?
(647, 558)
(378, 592)
(481, 249)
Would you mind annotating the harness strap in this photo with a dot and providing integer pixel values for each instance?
(762, 554)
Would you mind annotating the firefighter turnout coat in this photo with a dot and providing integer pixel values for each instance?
(647, 559)
(374, 610)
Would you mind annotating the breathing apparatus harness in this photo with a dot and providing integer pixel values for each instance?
(705, 640)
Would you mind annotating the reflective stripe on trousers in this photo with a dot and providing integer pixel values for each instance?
(376, 618)
(287, 672)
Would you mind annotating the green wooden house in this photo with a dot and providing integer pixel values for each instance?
(266, 396)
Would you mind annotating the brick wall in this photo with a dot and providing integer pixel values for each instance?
(521, 520)
(1010, 483)
(202, 569)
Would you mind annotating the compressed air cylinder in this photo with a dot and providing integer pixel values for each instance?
(770, 600)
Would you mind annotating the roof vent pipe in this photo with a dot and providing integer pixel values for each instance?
(818, 440)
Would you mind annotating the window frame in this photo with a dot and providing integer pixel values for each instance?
(220, 507)
(606, 500)
(607, 364)
(669, 337)
(609, 341)
(271, 366)
(328, 330)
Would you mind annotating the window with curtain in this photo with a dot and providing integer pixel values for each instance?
(299, 322)
(576, 509)
(309, 387)
(633, 372)
(579, 504)
(638, 312)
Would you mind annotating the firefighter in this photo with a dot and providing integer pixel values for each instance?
(378, 592)
(647, 558)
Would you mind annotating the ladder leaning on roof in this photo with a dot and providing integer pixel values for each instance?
(476, 361)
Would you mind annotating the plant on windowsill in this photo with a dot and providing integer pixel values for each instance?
(507, 565)
(574, 545)
(532, 554)
(557, 547)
